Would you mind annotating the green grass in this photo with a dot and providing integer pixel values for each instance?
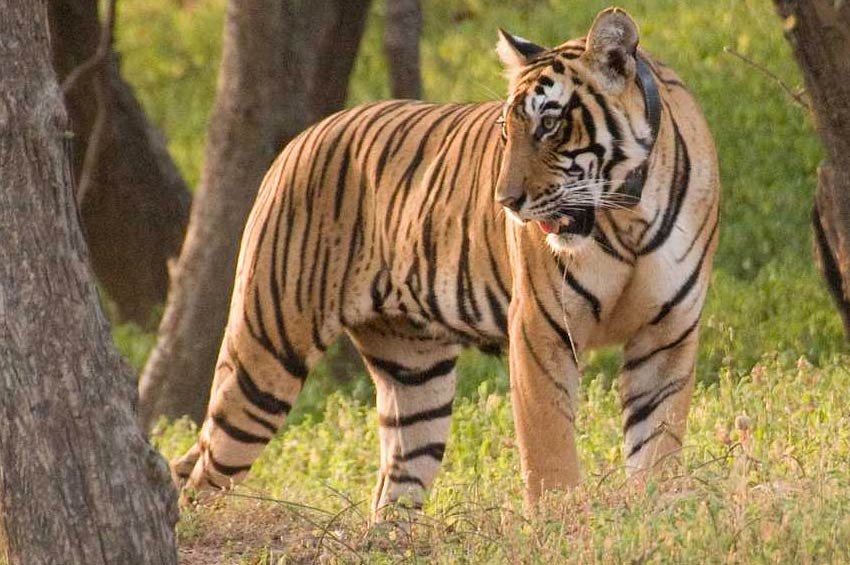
(770, 494)
(767, 476)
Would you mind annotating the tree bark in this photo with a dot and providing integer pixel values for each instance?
(134, 203)
(78, 481)
(271, 86)
(338, 33)
(819, 33)
(402, 30)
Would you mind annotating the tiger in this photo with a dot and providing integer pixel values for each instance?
(581, 211)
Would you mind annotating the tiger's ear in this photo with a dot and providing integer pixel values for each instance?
(515, 52)
(612, 49)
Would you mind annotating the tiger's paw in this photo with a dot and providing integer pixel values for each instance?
(395, 525)
(181, 467)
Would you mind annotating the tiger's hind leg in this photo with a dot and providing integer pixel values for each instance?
(260, 372)
(414, 375)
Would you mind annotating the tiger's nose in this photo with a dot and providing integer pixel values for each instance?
(512, 202)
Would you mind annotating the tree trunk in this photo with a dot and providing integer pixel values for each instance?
(265, 97)
(134, 204)
(402, 30)
(338, 33)
(819, 33)
(78, 481)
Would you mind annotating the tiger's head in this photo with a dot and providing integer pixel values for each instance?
(575, 126)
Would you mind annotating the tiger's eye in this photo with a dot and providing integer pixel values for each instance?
(549, 123)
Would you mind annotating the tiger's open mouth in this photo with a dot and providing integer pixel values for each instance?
(575, 222)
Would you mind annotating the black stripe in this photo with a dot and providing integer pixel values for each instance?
(409, 123)
(263, 400)
(406, 180)
(290, 361)
(562, 333)
(494, 267)
(579, 289)
(319, 134)
(314, 270)
(424, 416)
(380, 289)
(228, 470)
(678, 191)
(315, 332)
(436, 183)
(433, 450)
(340, 182)
(354, 246)
(465, 285)
(412, 377)
(237, 433)
(611, 125)
(702, 225)
(617, 231)
(497, 310)
(545, 371)
(398, 126)
(605, 244)
(632, 364)
(361, 121)
(406, 479)
(262, 421)
(323, 283)
(645, 411)
(689, 283)
(657, 432)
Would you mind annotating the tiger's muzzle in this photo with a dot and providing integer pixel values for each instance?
(576, 222)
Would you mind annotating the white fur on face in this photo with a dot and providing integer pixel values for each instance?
(567, 245)
(533, 101)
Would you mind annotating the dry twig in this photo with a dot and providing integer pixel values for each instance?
(100, 55)
(797, 96)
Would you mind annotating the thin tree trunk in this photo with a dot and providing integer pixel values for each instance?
(134, 204)
(819, 33)
(265, 97)
(402, 30)
(78, 482)
(336, 42)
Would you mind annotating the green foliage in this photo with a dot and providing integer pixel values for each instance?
(171, 56)
(133, 343)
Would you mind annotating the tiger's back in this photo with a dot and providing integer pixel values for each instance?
(362, 205)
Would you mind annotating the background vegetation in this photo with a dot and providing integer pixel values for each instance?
(768, 490)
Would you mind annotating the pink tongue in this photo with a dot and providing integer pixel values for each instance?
(548, 227)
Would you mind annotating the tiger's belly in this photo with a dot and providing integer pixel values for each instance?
(459, 306)
(464, 297)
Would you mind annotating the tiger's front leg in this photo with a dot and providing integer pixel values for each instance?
(656, 387)
(544, 389)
